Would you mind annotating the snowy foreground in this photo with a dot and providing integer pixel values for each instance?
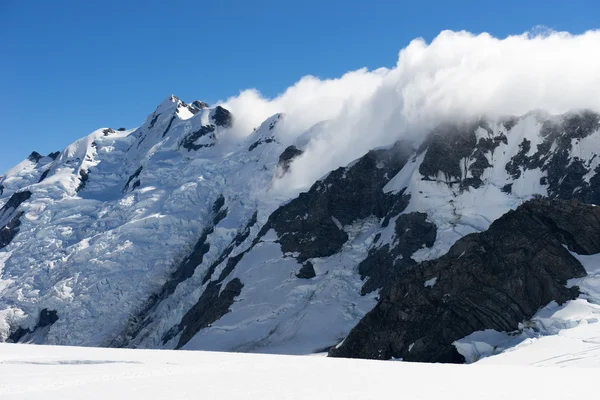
(51, 372)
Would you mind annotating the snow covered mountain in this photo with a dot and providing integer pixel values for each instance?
(178, 234)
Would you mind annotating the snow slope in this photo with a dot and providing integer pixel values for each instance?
(33, 372)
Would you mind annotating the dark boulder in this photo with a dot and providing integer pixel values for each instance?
(490, 280)
(307, 271)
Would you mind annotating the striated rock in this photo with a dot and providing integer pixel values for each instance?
(490, 280)
(413, 232)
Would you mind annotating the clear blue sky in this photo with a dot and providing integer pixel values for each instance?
(70, 67)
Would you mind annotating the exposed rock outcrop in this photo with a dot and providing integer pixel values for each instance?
(312, 224)
(10, 218)
(490, 280)
(222, 117)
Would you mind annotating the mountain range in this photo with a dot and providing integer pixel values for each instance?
(462, 243)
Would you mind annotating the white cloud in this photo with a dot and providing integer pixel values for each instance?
(457, 75)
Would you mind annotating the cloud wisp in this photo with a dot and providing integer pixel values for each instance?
(457, 76)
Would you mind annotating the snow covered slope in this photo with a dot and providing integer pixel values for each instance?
(179, 234)
(34, 372)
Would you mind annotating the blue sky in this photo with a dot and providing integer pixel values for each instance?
(70, 67)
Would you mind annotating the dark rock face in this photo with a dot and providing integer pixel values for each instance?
(307, 271)
(259, 142)
(10, 230)
(11, 218)
(35, 157)
(15, 201)
(199, 104)
(311, 225)
(413, 232)
(188, 141)
(83, 178)
(44, 175)
(46, 318)
(565, 174)
(211, 307)
(134, 177)
(286, 158)
(222, 117)
(54, 155)
(169, 126)
(108, 131)
(490, 280)
(449, 144)
(121, 129)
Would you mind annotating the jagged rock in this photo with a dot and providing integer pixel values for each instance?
(188, 141)
(564, 174)
(54, 155)
(84, 176)
(133, 176)
(490, 280)
(44, 175)
(10, 230)
(35, 157)
(259, 142)
(46, 318)
(413, 232)
(312, 224)
(199, 104)
(307, 271)
(15, 201)
(222, 117)
(447, 145)
(121, 129)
